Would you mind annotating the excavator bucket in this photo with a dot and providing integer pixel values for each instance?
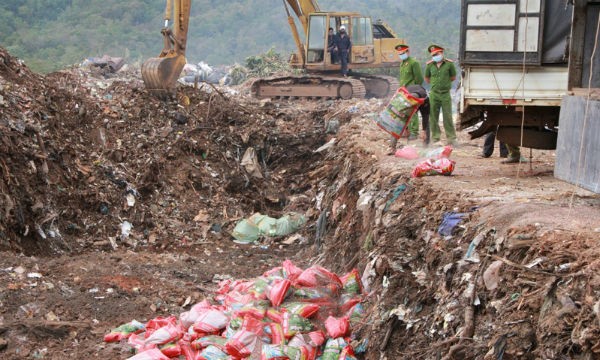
(160, 74)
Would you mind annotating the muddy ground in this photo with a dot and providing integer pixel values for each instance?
(81, 155)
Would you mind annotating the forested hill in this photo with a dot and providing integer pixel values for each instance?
(50, 34)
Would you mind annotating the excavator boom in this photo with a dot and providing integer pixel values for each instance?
(160, 74)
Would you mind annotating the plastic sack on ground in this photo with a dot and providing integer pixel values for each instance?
(278, 291)
(152, 354)
(407, 152)
(394, 118)
(257, 225)
(434, 167)
(189, 317)
(244, 342)
(211, 322)
(337, 327)
(212, 353)
(165, 334)
(124, 331)
(439, 153)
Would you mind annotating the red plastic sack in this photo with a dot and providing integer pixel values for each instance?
(318, 276)
(211, 322)
(337, 327)
(152, 354)
(244, 342)
(317, 338)
(438, 167)
(256, 309)
(277, 335)
(304, 309)
(189, 317)
(352, 283)
(407, 152)
(171, 349)
(291, 271)
(124, 331)
(165, 334)
(206, 341)
(278, 290)
(157, 323)
(439, 153)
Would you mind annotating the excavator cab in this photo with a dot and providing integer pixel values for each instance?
(160, 74)
(367, 50)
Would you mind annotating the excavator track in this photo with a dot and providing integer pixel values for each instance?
(309, 87)
(378, 86)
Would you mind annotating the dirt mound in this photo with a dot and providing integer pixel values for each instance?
(82, 155)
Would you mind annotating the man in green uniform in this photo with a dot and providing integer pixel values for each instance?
(440, 73)
(410, 74)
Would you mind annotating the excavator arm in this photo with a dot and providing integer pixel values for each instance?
(160, 74)
(301, 8)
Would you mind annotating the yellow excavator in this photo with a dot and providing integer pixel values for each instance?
(373, 46)
(160, 74)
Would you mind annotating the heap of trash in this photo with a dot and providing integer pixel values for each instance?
(287, 313)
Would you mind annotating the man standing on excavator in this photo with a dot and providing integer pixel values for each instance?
(344, 46)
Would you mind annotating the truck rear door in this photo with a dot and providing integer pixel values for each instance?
(501, 31)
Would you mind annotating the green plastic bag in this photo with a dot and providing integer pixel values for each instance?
(249, 230)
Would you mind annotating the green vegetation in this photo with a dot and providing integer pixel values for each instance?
(51, 34)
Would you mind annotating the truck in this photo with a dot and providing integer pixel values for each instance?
(518, 59)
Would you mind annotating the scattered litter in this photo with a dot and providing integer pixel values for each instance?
(491, 276)
(397, 191)
(449, 222)
(250, 163)
(327, 146)
(434, 167)
(126, 227)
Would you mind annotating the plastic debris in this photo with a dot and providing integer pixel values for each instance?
(449, 222)
(250, 163)
(441, 166)
(491, 275)
(249, 230)
(269, 317)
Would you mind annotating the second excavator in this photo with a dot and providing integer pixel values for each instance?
(373, 46)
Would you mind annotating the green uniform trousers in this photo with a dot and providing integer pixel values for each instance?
(514, 152)
(443, 101)
(413, 125)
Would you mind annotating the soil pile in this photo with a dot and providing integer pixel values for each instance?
(81, 156)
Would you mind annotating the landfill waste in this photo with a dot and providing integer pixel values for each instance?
(395, 194)
(249, 230)
(449, 222)
(287, 313)
(106, 64)
(428, 167)
(222, 75)
(326, 146)
(396, 115)
(333, 126)
(250, 163)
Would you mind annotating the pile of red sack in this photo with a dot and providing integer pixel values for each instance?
(287, 313)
